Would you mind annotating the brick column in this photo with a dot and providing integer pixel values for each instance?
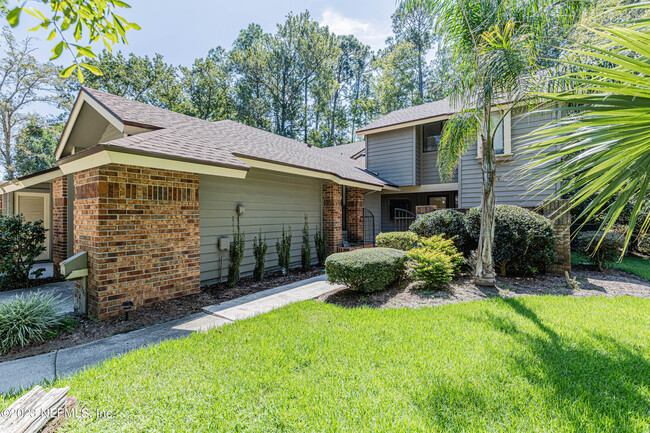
(140, 228)
(562, 231)
(59, 222)
(354, 214)
(333, 216)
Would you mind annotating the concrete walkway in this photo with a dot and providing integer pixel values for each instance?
(63, 289)
(26, 372)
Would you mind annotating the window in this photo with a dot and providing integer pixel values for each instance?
(398, 204)
(439, 201)
(431, 136)
(502, 138)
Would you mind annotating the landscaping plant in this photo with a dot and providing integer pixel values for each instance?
(607, 253)
(366, 270)
(320, 239)
(259, 251)
(21, 242)
(435, 261)
(28, 318)
(399, 240)
(283, 247)
(305, 250)
(524, 242)
(447, 222)
(236, 254)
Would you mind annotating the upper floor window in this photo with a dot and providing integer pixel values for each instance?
(431, 133)
(499, 148)
(502, 135)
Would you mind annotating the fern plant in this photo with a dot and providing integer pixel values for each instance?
(259, 251)
(236, 254)
(305, 251)
(283, 247)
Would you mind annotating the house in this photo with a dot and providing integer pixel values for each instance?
(402, 148)
(151, 195)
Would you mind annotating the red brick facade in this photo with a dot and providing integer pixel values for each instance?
(562, 230)
(140, 228)
(354, 214)
(333, 216)
(59, 221)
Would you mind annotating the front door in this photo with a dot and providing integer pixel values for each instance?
(35, 206)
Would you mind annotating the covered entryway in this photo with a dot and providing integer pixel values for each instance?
(35, 206)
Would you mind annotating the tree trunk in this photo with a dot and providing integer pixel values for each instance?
(484, 266)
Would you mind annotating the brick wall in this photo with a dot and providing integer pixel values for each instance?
(140, 228)
(333, 216)
(59, 221)
(562, 230)
(354, 214)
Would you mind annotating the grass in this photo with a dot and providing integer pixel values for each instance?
(541, 364)
(634, 265)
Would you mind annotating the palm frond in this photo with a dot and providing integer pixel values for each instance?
(459, 132)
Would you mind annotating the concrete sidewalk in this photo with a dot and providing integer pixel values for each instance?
(63, 289)
(26, 372)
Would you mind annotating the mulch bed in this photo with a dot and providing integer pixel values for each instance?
(414, 295)
(91, 330)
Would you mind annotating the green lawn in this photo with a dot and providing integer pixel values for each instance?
(546, 364)
(634, 265)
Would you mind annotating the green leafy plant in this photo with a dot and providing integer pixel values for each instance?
(398, 240)
(283, 248)
(524, 241)
(366, 270)
(447, 222)
(259, 251)
(435, 261)
(28, 318)
(609, 250)
(21, 242)
(236, 254)
(305, 250)
(320, 239)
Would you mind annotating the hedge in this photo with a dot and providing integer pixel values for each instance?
(366, 270)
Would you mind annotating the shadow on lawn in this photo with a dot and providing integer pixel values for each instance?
(599, 376)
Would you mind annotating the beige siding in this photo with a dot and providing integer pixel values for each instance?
(511, 187)
(270, 199)
(391, 155)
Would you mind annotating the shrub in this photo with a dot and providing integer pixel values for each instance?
(320, 239)
(366, 270)
(28, 318)
(448, 222)
(21, 242)
(283, 247)
(305, 250)
(236, 254)
(259, 251)
(398, 240)
(608, 251)
(436, 260)
(523, 240)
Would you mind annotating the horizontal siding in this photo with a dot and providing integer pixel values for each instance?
(430, 174)
(390, 155)
(270, 200)
(511, 187)
(372, 202)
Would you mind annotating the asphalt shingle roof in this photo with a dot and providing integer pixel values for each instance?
(221, 143)
(411, 114)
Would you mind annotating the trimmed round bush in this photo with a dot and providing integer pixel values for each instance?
(447, 222)
(524, 242)
(608, 252)
(366, 270)
(398, 240)
(436, 261)
(28, 318)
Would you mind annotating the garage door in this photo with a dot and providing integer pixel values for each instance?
(36, 207)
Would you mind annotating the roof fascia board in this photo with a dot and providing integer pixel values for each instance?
(17, 185)
(432, 187)
(271, 166)
(76, 109)
(403, 125)
(104, 157)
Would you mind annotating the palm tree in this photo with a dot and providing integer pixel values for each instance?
(496, 47)
(598, 153)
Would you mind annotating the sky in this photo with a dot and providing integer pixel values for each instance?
(184, 30)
